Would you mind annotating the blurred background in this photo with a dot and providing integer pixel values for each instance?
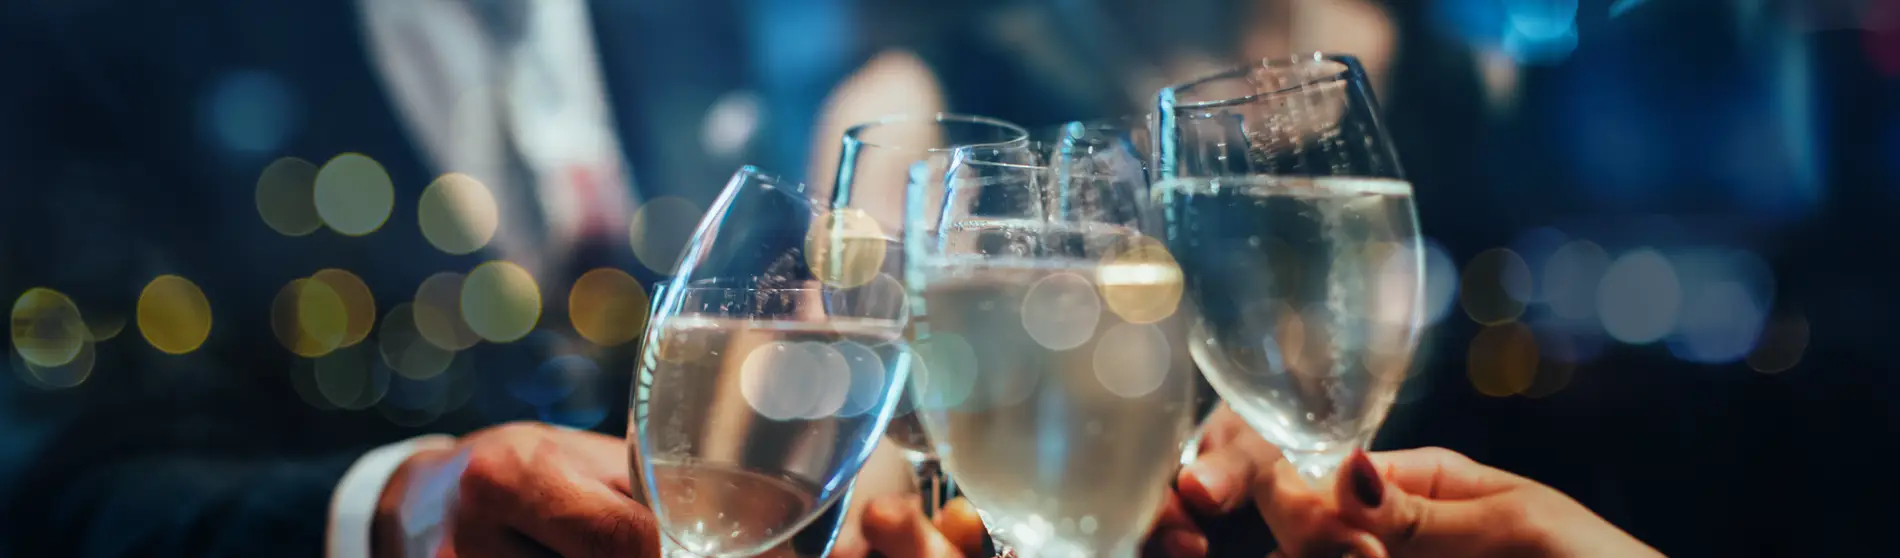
(1656, 226)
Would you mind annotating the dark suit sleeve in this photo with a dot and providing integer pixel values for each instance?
(153, 454)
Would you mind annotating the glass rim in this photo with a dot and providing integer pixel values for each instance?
(1349, 69)
(853, 134)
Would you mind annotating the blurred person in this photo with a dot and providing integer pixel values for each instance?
(133, 149)
(1426, 502)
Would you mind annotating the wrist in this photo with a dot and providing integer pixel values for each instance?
(387, 535)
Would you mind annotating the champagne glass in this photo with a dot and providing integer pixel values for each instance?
(1294, 225)
(1051, 376)
(763, 386)
(878, 161)
(1131, 134)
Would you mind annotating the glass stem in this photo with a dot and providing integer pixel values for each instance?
(932, 483)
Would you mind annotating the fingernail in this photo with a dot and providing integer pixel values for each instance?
(1210, 481)
(1366, 485)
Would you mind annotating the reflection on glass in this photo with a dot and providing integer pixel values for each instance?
(1294, 225)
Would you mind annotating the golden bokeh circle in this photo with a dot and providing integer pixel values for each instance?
(174, 315)
(1482, 290)
(607, 307)
(405, 350)
(346, 378)
(438, 312)
(1556, 364)
(47, 328)
(67, 375)
(286, 197)
(353, 194)
(500, 301)
(846, 248)
(359, 306)
(1140, 281)
(659, 230)
(1503, 360)
(106, 328)
(458, 214)
(309, 318)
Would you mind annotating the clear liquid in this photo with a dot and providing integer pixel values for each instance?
(1056, 417)
(711, 509)
(1309, 296)
(753, 427)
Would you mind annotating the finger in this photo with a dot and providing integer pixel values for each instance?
(1218, 482)
(1304, 521)
(1442, 474)
(1220, 428)
(556, 499)
(1175, 533)
(1408, 523)
(960, 524)
(896, 528)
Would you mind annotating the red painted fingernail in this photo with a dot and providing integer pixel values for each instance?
(1366, 485)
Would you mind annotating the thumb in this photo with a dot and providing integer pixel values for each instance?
(1425, 502)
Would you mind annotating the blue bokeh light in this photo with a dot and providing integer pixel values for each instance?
(252, 112)
(1640, 297)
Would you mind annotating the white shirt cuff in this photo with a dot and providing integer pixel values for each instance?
(353, 505)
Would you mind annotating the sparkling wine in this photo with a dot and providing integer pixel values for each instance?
(1059, 414)
(752, 426)
(1309, 293)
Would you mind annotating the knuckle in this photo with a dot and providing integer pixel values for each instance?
(489, 475)
(612, 535)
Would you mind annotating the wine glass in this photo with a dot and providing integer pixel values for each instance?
(1051, 373)
(1294, 225)
(1132, 135)
(878, 161)
(764, 386)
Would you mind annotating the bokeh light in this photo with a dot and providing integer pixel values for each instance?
(359, 306)
(943, 371)
(458, 214)
(47, 328)
(1571, 276)
(309, 318)
(1640, 297)
(500, 301)
(349, 379)
(1556, 362)
(1133, 360)
(1441, 282)
(174, 315)
(68, 375)
(552, 381)
(1726, 295)
(286, 197)
(1140, 281)
(438, 312)
(105, 328)
(1782, 343)
(730, 123)
(303, 380)
(607, 306)
(1492, 286)
(1536, 247)
(846, 247)
(659, 231)
(252, 111)
(868, 387)
(404, 348)
(353, 194)
(787, 381)
(1503, 360)
(1060, 311)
